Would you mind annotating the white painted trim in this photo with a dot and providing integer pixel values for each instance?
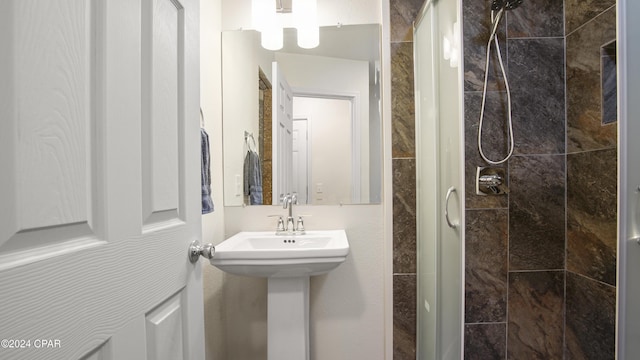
(426, 159)
(387, 179)
(462, 193)
(628, 287)
(309, 119)
(621, 277)
(356, 126)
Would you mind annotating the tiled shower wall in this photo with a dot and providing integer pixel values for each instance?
(591, 183)
(515, 244)
(402, 14)
(540, 262)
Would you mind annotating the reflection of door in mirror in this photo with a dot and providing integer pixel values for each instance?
(301, 159)
(282, 135)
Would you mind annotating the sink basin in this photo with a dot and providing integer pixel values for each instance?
(265, 254)
(287, 261)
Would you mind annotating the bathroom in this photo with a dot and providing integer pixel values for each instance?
(498, 288)
(100, 208)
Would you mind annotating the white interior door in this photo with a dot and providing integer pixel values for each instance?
(301, 160)
(282, 105)
(99, 162)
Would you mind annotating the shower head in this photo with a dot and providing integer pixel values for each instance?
(505, 4)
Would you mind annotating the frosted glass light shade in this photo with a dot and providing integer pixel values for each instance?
(272, 38)
(308, 37)
(261, 16)
(265, 20)
(304, 17)
(305, 13)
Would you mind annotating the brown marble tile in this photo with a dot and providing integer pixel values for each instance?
(485, 341)
(476, 32)
(536, 308)
(404, 317)
(536, 18)
(267, 183)
(494, 144)
(592, 214)
(404, 215)
(590, 319)
(578, 12)
(537, 82)
(267, 165)
(537, 212)
(486, 266)
(585, 130)
(402, 100)
(267, 124)
(402, 14)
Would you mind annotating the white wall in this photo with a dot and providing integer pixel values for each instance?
(350, 307)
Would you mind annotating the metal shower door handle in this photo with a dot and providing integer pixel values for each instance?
(446, 207)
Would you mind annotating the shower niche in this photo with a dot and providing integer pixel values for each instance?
(608, 82)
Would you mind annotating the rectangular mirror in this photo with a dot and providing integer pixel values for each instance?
(302, 120)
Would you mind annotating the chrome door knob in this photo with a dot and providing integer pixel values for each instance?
(196, 250)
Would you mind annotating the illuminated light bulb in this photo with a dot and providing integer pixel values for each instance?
(305, 14)
(260, 14)
(272, 38)
(309, 37)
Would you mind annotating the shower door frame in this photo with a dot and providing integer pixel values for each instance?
(628, 287)
(438, 12)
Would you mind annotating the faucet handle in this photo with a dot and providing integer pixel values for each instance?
(300, 224)
(280, 222)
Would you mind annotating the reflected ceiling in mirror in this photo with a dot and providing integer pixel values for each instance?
(334, 125)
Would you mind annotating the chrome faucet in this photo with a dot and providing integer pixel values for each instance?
(288, 201)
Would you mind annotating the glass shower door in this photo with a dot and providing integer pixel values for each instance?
(440, 190)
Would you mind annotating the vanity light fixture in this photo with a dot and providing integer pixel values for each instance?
(270, 20)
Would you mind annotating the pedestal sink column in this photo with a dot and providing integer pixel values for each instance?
(288, 318)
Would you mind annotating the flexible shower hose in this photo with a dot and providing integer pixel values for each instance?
(495, 20)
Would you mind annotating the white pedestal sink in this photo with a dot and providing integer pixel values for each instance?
(287, 261)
